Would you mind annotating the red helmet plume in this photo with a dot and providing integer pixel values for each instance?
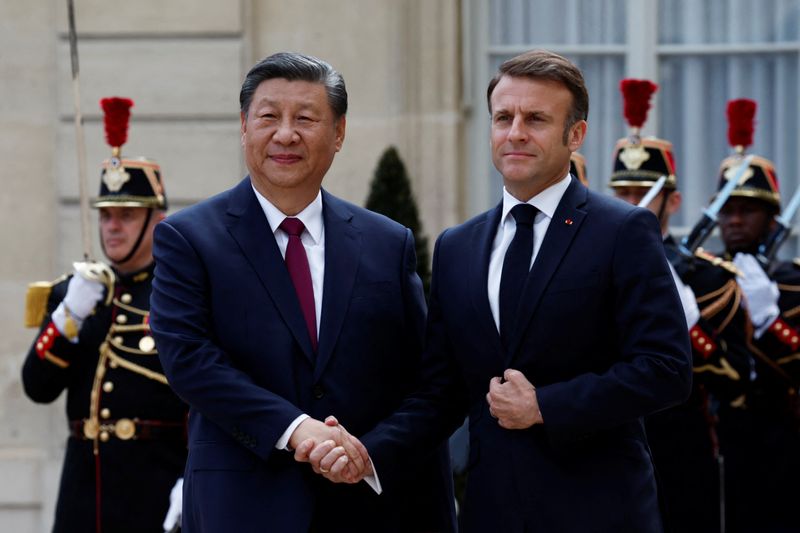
(741, 122)
(117, 114)
(636, 95)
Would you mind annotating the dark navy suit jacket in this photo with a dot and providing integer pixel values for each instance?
(234, 346)
(600, 334)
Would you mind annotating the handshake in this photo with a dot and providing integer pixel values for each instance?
(332, 452)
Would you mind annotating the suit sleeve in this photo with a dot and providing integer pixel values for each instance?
(198, 370)
(437, 407)
(652, 369)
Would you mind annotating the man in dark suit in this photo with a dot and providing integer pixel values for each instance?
(276, 304)
(555, 323)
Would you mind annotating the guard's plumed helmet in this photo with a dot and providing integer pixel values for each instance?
(126, 182)
(641, 161)
(760, 180)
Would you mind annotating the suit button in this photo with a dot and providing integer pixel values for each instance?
(318, 391)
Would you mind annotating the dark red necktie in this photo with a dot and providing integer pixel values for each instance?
(297, 264)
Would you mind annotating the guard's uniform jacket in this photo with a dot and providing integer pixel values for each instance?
(127, 443)
(684, 439)
(781, 342)
(760, 439)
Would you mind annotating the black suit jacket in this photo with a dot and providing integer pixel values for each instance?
(600, 334)
(234, 345)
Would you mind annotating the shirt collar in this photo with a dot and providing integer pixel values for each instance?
(546, 201)
(311, 216)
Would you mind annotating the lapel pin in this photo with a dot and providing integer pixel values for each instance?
(568, 222)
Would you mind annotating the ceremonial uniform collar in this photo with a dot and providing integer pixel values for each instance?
(137, 276)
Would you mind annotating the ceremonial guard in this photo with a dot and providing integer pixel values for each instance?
(684, 439)
(762, 439)
(127, 441)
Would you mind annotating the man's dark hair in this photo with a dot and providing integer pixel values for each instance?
(296, 67)
(543, 64)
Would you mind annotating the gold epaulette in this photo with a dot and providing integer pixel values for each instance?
(36, 301)
(718, 261)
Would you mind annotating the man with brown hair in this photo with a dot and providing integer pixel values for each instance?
(555, 323)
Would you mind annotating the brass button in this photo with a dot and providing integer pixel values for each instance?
(45, 338)
(104, 436)
(90, 429)
(49, 331)
(39, 346)
(105, 412)
(118, 339)
(126, 298)
(108, 386)
(125, 429)
(146, 343)
(122, 319)
(113, 364)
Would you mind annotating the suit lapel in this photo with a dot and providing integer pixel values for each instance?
(565, 224)
(482, 238)
(342, 253)
(249, 227)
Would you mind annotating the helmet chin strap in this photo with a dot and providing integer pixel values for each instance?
(136, 244)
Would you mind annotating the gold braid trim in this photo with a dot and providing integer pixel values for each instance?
(55, 360)
(128, 328)
(133, 367)
(131, 309)
(94, 397)
(125, 349)
(790, 288)
(725, 370)
(794, 311)
(713, 294)
(728, 290)
(737, 298)
(788, 359)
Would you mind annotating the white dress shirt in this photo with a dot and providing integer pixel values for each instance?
(546, 202)
(313, 239)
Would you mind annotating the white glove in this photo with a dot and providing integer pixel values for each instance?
(174, 512)
(688, 300)
(760, 293)
(81, 299)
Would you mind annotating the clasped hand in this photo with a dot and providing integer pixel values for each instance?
(331, 450)
(512, 401)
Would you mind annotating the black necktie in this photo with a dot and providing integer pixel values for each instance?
(516, 265)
